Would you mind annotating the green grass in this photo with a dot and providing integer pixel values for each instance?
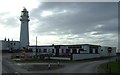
(112, 67)
(61, 61)
(43, 61)
(39, 61)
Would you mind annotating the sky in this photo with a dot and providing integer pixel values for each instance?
(62, 22)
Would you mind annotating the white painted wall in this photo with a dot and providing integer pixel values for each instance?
(86, 47)
(84, 56)
(6, 45)
(64, 49)
(104, 52)
(49, 49)
(15, 45)
(60, 58)
(24, 35)
(24, 32)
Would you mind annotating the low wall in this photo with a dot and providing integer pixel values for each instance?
(60, 58)
(84, 56)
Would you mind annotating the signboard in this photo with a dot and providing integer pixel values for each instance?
(109, 49)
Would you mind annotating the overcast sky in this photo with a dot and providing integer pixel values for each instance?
(62, 22)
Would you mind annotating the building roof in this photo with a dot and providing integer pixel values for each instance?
(41, 46)
(61, 45)
(9, 41)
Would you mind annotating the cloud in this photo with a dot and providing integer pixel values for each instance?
(81, 17)
(97, 19)
(9, 22)
(70, 22)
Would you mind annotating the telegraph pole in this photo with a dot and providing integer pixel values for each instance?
(109, 51)
(36, 48)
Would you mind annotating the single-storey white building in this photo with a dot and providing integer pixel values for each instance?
(9, 45)
(73, 52)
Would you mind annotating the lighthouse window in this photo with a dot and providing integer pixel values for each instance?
(11, 43)
(14, 43)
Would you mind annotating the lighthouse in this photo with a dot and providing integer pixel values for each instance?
(24, 31)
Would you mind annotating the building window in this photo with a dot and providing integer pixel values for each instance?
(39, 50)
(67, 50)
(96, 50)
(52, 50)
(36, 50)
(14, 43)
(79, 50)
(101, 50)
(45, 50)
(74, 50)
(91, 51)
(30, 49)
(11, 43)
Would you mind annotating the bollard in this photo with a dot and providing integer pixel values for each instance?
(16, 73)
(109, 69)
(49, 67)
(58, 63)
(107, 65)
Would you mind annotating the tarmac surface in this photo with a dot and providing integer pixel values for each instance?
(9, 66)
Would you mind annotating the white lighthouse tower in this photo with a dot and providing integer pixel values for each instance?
(24, 33)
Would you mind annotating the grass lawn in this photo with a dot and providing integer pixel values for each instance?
(112, 67)
(61, 61)
(43, 61)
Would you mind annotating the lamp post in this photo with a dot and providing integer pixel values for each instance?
(109, 51)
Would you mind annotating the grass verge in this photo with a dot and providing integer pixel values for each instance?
(111, 67)
(61, 61)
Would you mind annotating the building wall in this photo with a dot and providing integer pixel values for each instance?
(45, 49)
(24, 32)
(73, 48)
(10, 45)
(104, 51)
(62, 50)
(86, 47)
(14, 45)
(5, 45)
(84, 56)
(60, 58)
